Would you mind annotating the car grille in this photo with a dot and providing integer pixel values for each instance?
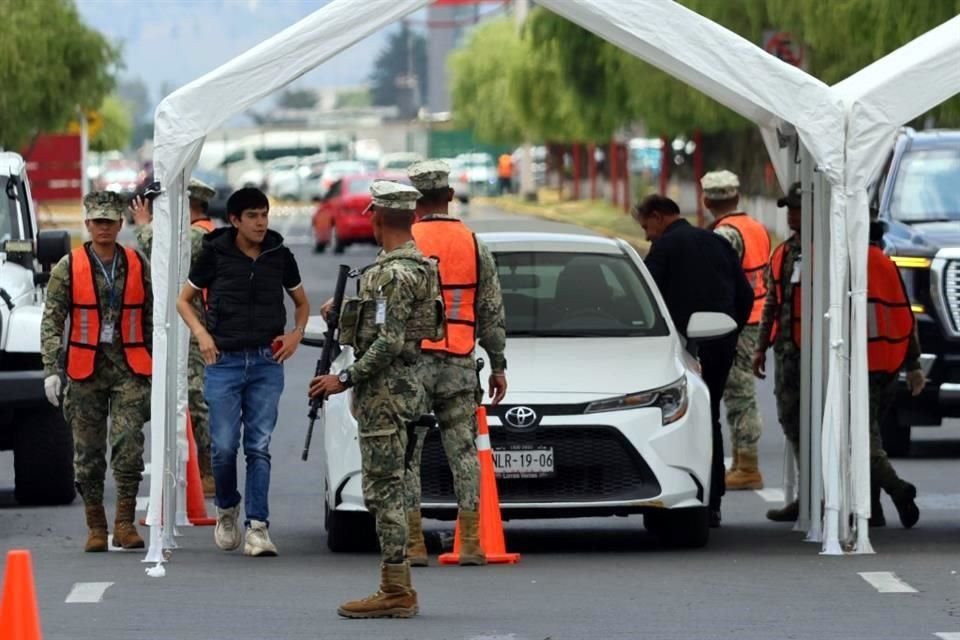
(591, 463)
(951, 293)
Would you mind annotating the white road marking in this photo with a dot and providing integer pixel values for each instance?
(886, 582)
(948, 635)
(771, 495)
(143, 502)
(87, 592)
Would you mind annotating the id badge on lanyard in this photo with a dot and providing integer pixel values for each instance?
(106, 328)
(380, 315)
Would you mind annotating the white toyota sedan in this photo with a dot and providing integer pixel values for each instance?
(606, 413)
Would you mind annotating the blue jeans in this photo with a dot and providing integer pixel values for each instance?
(243, 388)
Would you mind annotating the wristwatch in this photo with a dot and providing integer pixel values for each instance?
(344, 379)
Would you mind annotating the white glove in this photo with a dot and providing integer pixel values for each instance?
(52, 386)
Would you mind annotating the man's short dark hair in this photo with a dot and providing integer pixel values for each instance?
(435, 196)
(655, 203)
(246, 198)
(398, 219)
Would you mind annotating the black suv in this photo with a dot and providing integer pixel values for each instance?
(918, 196)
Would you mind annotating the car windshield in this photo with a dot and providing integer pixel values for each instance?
(576, 295)
(926, 186)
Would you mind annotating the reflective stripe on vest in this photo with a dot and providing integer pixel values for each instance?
(454, 247)
(776, 267)
(890, 321)
(756, 256)
(85, 316)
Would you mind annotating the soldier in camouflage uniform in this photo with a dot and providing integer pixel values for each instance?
(200, 195)
(779, 326)
(752, 243)
(109, 373)
(397, 307)
(450, 377)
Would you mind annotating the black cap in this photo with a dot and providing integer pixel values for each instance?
(792, 199)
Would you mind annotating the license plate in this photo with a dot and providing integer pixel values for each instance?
(523, 463)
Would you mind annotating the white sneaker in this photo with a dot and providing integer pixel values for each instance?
(227, 534)
(258, 541)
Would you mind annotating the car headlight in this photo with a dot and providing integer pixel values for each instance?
(672, 401)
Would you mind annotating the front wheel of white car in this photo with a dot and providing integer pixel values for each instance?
(687, 528)
(350, 531)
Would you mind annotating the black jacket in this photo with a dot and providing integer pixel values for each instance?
(698, 270)
(244, 296)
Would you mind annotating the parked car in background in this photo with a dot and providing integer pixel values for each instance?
(539, 161)
(398, 161)
(218, 206)
(481, 173)
(120, 176)
(459, 179)
(918, 196)
(285, 176)
(583, 431)
(339, 219)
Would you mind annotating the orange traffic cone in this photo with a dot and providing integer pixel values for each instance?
(491, 526)
(19, 615)
(196, 508)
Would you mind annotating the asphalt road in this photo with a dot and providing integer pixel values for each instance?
(578, 579)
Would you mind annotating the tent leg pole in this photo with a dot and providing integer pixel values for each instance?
(807, 356)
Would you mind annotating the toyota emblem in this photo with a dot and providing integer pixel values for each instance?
(520, 417)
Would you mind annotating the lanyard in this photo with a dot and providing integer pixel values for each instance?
(111, 278)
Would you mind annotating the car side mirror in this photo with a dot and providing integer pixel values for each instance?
(314, 334)
(52, 244)
(705, 325)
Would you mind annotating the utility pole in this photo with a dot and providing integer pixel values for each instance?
(528, 190)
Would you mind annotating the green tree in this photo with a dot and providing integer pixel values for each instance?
(52, 63)
(404, 54)
(114, 134)
(297, 99)
(353, 98)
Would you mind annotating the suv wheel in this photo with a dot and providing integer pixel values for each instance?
(895, 436)
(43, 458)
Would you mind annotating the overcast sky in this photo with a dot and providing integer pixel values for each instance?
(175, 41)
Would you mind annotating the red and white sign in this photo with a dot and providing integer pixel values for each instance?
(55, 166)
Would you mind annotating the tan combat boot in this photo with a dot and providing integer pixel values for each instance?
(471, 553)
(97, 526)
(206, 473)
(746, 477)
(395, 599)
(416, 546)
(124, 532)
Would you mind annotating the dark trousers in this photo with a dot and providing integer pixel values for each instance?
(716, 358)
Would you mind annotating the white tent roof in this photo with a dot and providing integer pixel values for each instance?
(709, 57)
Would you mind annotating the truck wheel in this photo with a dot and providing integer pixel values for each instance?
(895, 436)
(43, 457)
(687, 528)
(349, 531)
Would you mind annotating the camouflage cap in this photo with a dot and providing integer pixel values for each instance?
(720, 185)
(394, 195)
(104, 205)
(201, 191)
(793, 198)
(429, 175)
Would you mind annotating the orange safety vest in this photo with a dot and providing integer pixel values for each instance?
(85, 316)
(206, 224)
(776, 267)
(454, 247)
(756, 256)
(890, 321)
(505, 166)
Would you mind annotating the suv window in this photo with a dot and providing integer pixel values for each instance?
(8, 212)
(926, 186)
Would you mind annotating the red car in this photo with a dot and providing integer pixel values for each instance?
(339, 220)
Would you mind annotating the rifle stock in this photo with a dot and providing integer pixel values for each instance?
(330, 338)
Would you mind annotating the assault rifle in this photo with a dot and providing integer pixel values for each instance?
(330, 337)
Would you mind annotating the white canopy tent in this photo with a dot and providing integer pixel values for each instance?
(697, 51)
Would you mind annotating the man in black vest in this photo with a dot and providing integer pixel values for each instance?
(245, 269)
(697, 270)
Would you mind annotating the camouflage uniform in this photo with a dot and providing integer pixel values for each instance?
(388, 393)
(740, 393)
(453, 393)
(199, 413)
(112, 390)
(786, 353)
